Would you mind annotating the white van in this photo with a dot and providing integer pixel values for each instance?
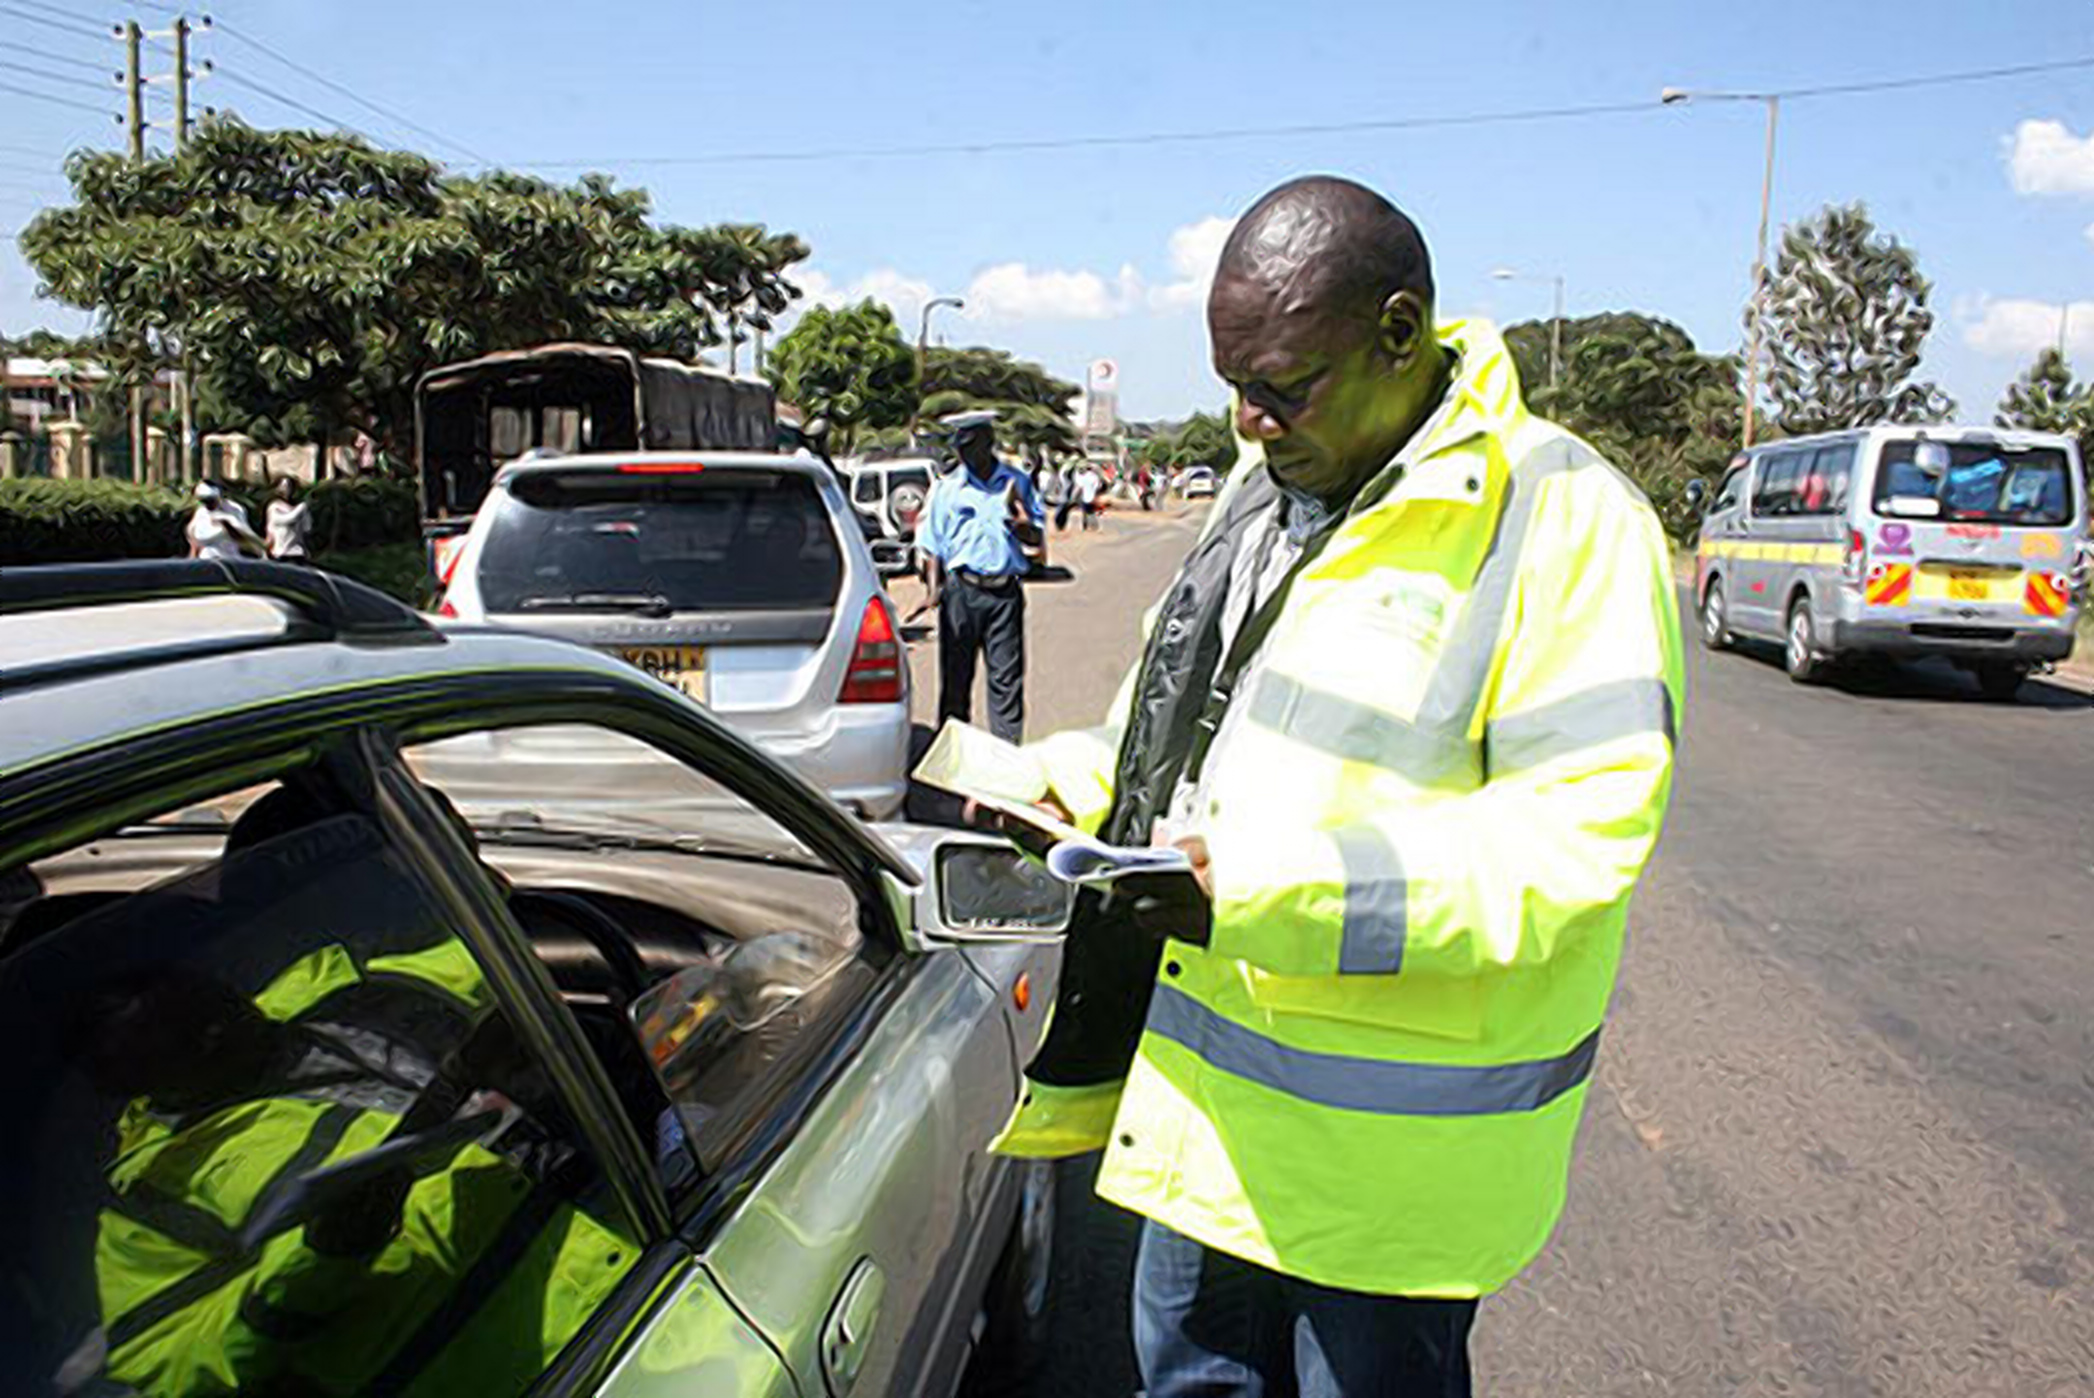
(1963, 542)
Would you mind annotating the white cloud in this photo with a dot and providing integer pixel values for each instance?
(1014, 291)
(2017, 329)
(2044, 157)
(1195, 249)
(904, 294)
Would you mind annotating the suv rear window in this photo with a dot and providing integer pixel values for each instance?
(1985, 483)
(712, 540)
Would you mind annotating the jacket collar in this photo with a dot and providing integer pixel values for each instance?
(1482, 401)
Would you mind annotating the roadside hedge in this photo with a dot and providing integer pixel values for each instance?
(47, 521)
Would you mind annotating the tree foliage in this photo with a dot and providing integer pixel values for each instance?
(849, 365)
(2046, 398)
(1032, 405)
(1636, 387)
(1844, 318)
(1204, 439)
(309, 279)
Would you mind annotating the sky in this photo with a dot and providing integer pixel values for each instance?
(1070, 255)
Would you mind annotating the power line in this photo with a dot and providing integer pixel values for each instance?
(1504, 117)
(67, 59)
(41, 76)
(49, 97)
(69, 25)
(220, 26)
(291, 102)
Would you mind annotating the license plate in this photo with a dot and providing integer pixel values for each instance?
(1966, 585)
(681, 666)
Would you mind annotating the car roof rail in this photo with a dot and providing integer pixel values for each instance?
(335, 606)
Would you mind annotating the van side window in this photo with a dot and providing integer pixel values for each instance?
(1730, 492)
(1776, 493)
(1834, 465)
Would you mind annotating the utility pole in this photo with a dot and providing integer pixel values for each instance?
(923, 339)
(181, 77)
(134, 90)
(185, 443)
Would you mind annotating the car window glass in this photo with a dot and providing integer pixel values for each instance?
(865, 489)
(1833, 468)
(1731, 492)
(747, 950)
(1985, 482)
(285, 1140)
(1775, 493)
(694, 540)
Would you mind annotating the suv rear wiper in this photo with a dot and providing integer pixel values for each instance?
(645, 603)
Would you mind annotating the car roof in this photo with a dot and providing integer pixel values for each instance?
(611, 461)
(143, 693)
(1945, 432)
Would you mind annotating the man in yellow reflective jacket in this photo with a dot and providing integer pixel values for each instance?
(1410, 708)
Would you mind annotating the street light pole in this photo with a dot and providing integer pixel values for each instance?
(1508, 274)
(923, 339)
(1680, 96)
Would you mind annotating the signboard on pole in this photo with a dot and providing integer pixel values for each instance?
(1101, 399)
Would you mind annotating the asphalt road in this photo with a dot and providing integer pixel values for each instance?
(1842, 1136)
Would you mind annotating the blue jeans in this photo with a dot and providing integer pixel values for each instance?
(1207, 1325)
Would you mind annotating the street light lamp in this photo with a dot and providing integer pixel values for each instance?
(923, 336)
(1679, 97)
(1508, 274)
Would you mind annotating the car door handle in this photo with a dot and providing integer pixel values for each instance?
(847, 1334)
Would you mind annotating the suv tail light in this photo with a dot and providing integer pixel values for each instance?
(1855, 556)
(444, 608)
(875, 674)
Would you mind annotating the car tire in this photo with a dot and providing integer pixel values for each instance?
(1799, 650)
(1016, 1307)
(1715, 618)
(2001, 682)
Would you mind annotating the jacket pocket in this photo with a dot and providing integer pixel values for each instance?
(1442, 1007)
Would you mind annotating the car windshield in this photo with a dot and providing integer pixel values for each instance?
(701, 540)
(1985, 483)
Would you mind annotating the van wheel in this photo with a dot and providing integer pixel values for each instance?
(2001, 682)
(1805, 665)
(1715, 620)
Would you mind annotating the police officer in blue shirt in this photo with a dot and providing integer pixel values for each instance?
(979, 519)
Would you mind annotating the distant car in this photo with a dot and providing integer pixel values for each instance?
(1198, 483)
(329, 1076)
(743, 581)
(892, 495)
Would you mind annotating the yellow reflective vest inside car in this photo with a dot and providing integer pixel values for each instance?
(484, 1282)
(1434, 790)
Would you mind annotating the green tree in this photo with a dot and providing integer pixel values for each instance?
(2047, 399)
(309, 279)
(1636, 387)
(1204, 439)
(1844, 319)
(1032, 405)
(849, 365)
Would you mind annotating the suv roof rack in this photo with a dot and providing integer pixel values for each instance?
(339, 605)
(329, 607)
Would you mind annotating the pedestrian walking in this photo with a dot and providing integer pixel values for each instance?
(1054, 492)
(218, 527)
(1409, 711)
(289, 523)
(978, 520)
(1089, 486)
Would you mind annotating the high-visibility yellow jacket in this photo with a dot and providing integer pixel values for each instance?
(187, 1312)
(1424, 830)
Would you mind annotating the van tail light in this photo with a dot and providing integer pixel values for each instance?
(875, 674)
(1854, 558)
(444, 608)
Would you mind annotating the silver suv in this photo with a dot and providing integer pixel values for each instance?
(742, 581)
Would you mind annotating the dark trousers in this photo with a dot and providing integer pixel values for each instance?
(1207, 1325)
(1061, 515)
(990, 621)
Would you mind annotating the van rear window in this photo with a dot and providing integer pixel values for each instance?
(1984, 483)
(710, 540)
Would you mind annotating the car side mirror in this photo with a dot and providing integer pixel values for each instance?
(1697, 495)
(982, 889)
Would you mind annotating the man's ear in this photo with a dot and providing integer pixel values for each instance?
(1403, 328)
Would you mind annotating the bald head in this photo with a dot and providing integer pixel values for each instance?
(1321, 316)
